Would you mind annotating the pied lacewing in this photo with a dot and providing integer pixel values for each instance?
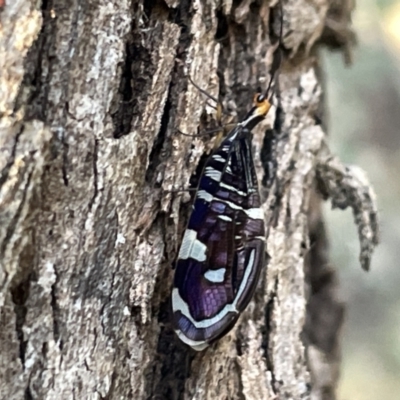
(223, 247)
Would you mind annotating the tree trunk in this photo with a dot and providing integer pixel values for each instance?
(94, 98)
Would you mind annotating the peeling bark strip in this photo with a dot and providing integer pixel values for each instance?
(92, 98)
(347, 186)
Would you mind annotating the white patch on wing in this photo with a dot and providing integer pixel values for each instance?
(218, 158)
(198, 251)
(213, 174)
(188, 238)
(225, 218)
(232, 189)
(255, 213)
(260, 237)
(232, 135)
(178, 304)
(191, 247)
(215, 275)
(246, 121)
(202, 194)
(232, 205)
(195, 345)
(247, 271)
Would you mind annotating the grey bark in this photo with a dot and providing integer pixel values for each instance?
(93, 97)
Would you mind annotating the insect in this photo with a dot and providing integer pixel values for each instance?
(223, 247)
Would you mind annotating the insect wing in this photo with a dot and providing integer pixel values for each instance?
(222, 250)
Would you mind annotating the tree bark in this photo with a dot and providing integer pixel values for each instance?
(94, 98)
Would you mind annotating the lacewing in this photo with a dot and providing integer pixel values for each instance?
(223, 247)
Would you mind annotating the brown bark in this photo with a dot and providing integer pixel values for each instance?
(93, 97)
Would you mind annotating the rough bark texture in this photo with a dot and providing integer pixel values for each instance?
(93, 97)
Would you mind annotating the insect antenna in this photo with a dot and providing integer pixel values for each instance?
(209, 131)
(202, 90)
(222, 127)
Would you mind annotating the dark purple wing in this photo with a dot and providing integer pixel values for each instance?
(222, 250)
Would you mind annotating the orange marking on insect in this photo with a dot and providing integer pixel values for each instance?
(262, 104)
